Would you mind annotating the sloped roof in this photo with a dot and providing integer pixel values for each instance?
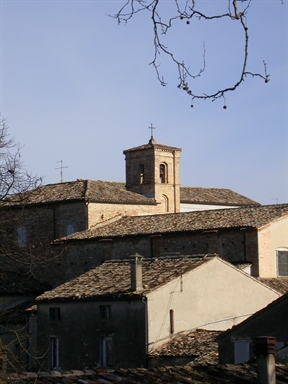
(112, 278)
(153, 145)
(81, 190)
(217, 196)
(190, 373)
(115, 192)
(201, 344)
(279, 284)
(244, 217)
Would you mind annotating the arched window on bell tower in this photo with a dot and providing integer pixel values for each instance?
(163, 173)
(166, 203)
(141, 173)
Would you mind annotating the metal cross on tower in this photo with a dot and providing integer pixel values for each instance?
(151, 130)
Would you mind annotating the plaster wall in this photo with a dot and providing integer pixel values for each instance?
(186, 207)
(214, 296)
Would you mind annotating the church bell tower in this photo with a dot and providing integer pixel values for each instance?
(153, 170)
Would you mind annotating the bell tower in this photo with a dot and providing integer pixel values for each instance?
(153, 170)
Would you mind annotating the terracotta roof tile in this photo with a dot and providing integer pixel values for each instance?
(111, 191)
(216, 196)
(153, 145)
(200, 373)
(199, 343)
(279, 284)
(112, 278)
(80, 190)
(251, 217)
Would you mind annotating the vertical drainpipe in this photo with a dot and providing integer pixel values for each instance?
(144, 301)
(54, 222)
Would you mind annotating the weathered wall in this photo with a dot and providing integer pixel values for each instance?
(101, 212)
(271, 322)
(81, 256)
(80, 331)
(214, 296)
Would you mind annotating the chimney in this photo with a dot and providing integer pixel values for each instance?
(264, 347)
(136, 272)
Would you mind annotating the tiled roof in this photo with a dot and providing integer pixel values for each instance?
(279, 284)
(200, 344)
(251, 217)
(217, 196)
(81, 190)
(112, 278)
(115, 192)
(152, 144)
(205, 373)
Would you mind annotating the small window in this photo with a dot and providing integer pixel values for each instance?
(241, 351)
(107, 351)
(163, 173)
(282, 259)
(70, 229)
(22, 237)
(105, 312)
(54, 314)
(55, 352)
(141, 174)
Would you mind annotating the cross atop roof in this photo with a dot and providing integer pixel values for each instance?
(151, 130)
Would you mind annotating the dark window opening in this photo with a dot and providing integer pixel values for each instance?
(141, 174)
(105, 312)
(163, 173)
(54, 314)
(55, 352)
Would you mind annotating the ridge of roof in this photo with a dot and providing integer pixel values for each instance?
(217, 196)
(153, 145)
(80, 190)
(252, 217)
(112, 279)
(116, 192)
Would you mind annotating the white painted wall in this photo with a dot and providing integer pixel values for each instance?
(184, 207)
(214, 296)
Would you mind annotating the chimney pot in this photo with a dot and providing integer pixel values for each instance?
(264, 347)
(136, 272)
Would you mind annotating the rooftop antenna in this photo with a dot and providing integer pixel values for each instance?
(151, 130)
(61, 167)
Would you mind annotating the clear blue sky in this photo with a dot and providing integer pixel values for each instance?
(76, 86)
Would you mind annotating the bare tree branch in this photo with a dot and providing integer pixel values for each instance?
(188, 11)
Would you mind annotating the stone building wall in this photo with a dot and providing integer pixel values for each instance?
(79, 256)
(101, 212)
